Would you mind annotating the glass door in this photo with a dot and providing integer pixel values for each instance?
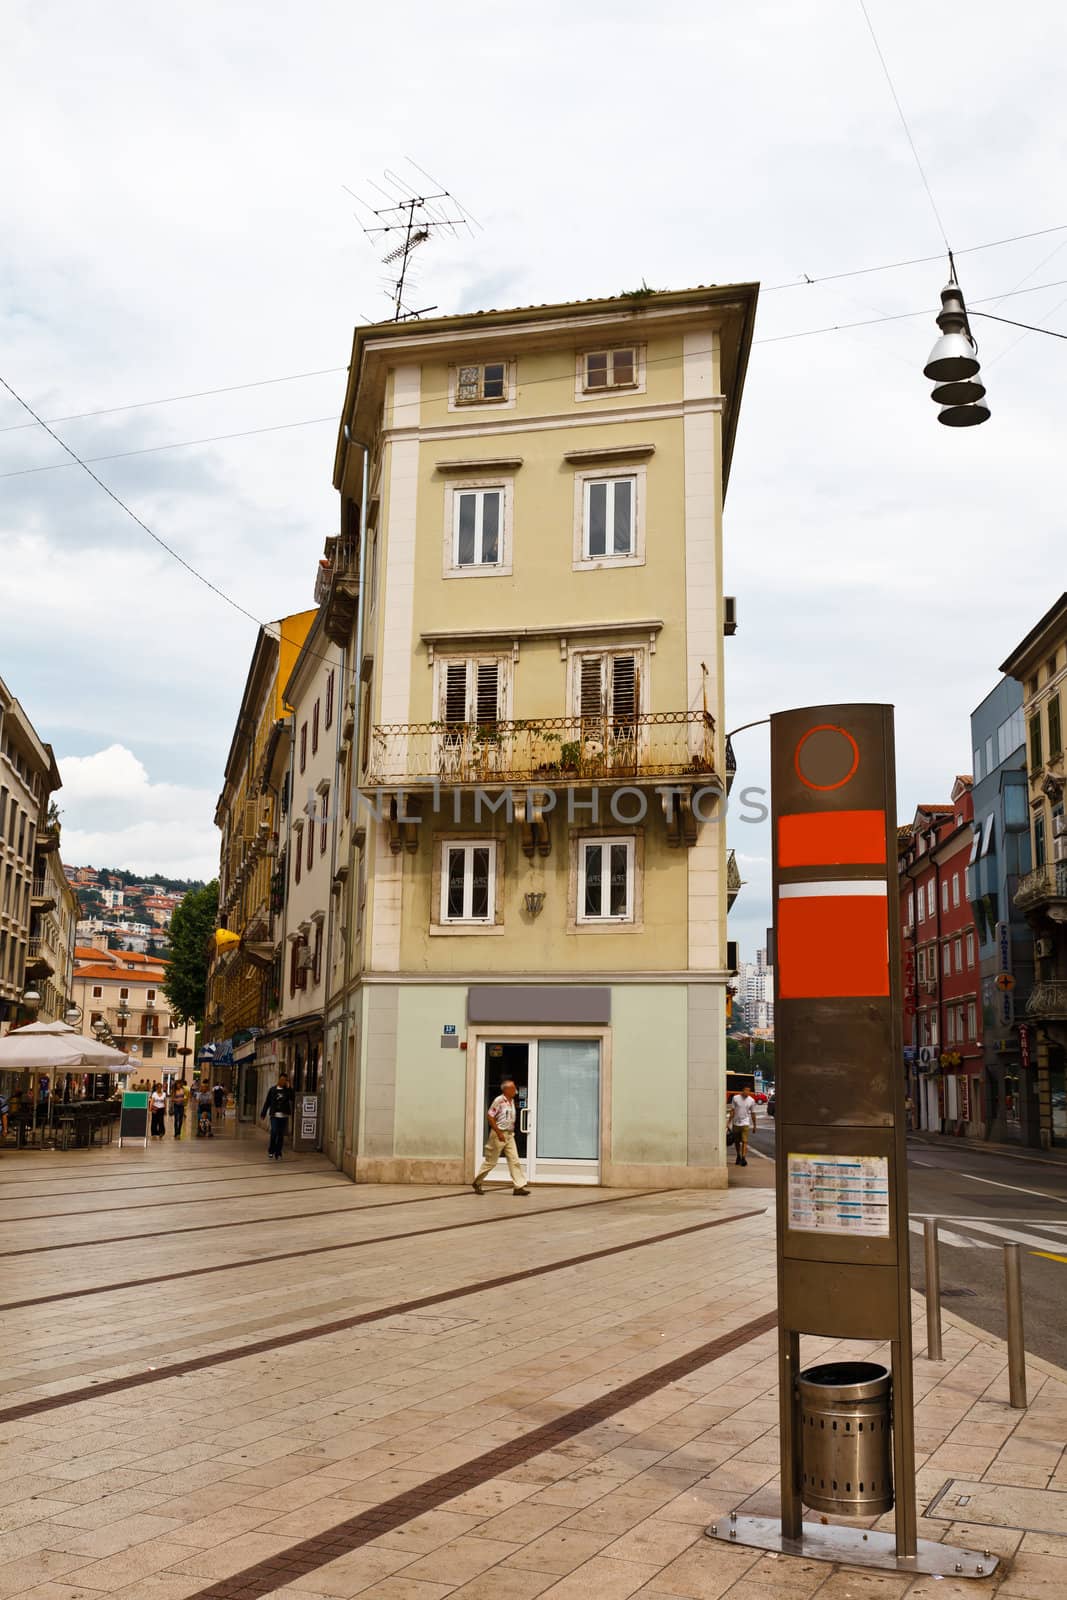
(565, 1111)
(557, 1104)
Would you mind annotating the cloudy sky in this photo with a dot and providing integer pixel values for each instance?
(175, 222)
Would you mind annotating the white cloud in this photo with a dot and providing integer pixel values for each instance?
(115, 816)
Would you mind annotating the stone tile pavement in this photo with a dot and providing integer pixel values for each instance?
(227, 1379)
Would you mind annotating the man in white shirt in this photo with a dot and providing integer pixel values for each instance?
(742, 1119)
(501, 1141)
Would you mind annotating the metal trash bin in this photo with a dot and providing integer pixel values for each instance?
(845, 1437)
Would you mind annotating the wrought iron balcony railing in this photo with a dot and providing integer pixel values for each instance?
(1048, 1000)
(1042, 885)
(548, 750)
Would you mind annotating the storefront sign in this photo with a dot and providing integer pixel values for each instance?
(1024, 1047)
(1005, 1005)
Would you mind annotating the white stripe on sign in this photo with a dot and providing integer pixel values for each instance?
(835, 886)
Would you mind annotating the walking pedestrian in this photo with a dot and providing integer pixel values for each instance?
(501, 1140)
(218, 1094)
(278, 1108)
(204, 1107)
(178, 1100)
(157, 1100)
(742, 1122)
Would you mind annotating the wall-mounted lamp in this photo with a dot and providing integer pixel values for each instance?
(533, 902)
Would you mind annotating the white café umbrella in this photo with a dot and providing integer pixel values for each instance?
(42, 1045)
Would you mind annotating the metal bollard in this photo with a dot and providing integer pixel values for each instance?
(933, 1290)
(1013, 1294)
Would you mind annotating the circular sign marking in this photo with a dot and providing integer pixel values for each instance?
(1005, 982)
(826, 757)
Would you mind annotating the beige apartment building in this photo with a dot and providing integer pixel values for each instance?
(38, 910)
(125, 989)
(1039, 663)
(532, 880)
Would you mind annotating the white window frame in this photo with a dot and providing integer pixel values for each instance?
(946, 959)
(581, 393)
(957, 953)
(508, 401)
(972, 1019)
(930, 897)
(637, 472)
(606, 841)
(944, 894)
(441, 664)
(457, 486)
(467, 846)
(921, 905)
(955, 888)
(970, 949)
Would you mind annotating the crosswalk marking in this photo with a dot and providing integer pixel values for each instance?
(1012, 1235)
(946, 1236)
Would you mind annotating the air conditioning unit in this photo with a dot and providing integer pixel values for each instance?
(1043, 948)
(729, 615)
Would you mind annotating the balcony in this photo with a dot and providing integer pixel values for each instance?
(40, 957)
(1045, 889)
(545, 750)
(337, 587)
(42, 897)
(1048, 1001)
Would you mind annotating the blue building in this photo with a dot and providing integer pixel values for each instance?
(1000, 856)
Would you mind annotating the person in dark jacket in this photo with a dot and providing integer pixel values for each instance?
(278, 1108)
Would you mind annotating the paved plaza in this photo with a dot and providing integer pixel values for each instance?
(225, 1378)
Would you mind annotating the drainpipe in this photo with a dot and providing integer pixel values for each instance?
(349, 887)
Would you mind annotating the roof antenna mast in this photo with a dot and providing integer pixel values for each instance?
(416, 206)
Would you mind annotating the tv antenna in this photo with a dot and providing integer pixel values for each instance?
(413, 211)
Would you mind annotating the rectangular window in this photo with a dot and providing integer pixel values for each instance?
(944, 894)
(124, 994)
(1036, 758)
(303, 745)
(930, 898)
(298, 853)
(468, 883)
(609, 522)
(920, 966)
(310, 837)
(972, 1019)
(477, 527)
(608, 691)
(1055, 736)
(955, 888)
(98, 991)
(323, 827)
(950, 1025)
(328, 715)
(910, 915)
(946, 958)
(611, 369)
(477, 384)
(471, 692)
(922, 905)
(958, 953)
(315, 727)
(1039, 842)
(978, 764)
(150, 994)
(606, 880)
(970, 949)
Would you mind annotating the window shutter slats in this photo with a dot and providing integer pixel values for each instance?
(455, 693)
(591, 687)
(624, 689)
(487, 694)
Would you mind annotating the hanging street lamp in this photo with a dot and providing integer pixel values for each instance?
(953, 363)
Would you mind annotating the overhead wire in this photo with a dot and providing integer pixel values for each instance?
(904, 124)
(805, 281)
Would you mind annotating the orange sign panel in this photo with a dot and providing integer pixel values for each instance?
(832, 945)
(831, 838)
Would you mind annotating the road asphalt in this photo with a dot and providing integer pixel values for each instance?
(985, 1199)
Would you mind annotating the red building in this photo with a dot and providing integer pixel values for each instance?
(942, 979)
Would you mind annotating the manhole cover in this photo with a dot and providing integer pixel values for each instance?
(959, 1294)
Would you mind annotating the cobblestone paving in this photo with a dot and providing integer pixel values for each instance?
(228, 1379)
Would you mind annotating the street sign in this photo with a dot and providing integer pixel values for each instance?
(841, 1174)
(1005, 982)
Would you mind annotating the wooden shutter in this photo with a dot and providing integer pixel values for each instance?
(624, 691)
(487, 694)
(591, 688)
(454, 693)
(250, 819)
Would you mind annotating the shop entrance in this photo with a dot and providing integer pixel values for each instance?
(557, 1131)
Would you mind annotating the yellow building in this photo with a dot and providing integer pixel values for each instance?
(243, 984)
(532, 881)
(1039, 663)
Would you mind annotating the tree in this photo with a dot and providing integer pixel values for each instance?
(191, 927)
